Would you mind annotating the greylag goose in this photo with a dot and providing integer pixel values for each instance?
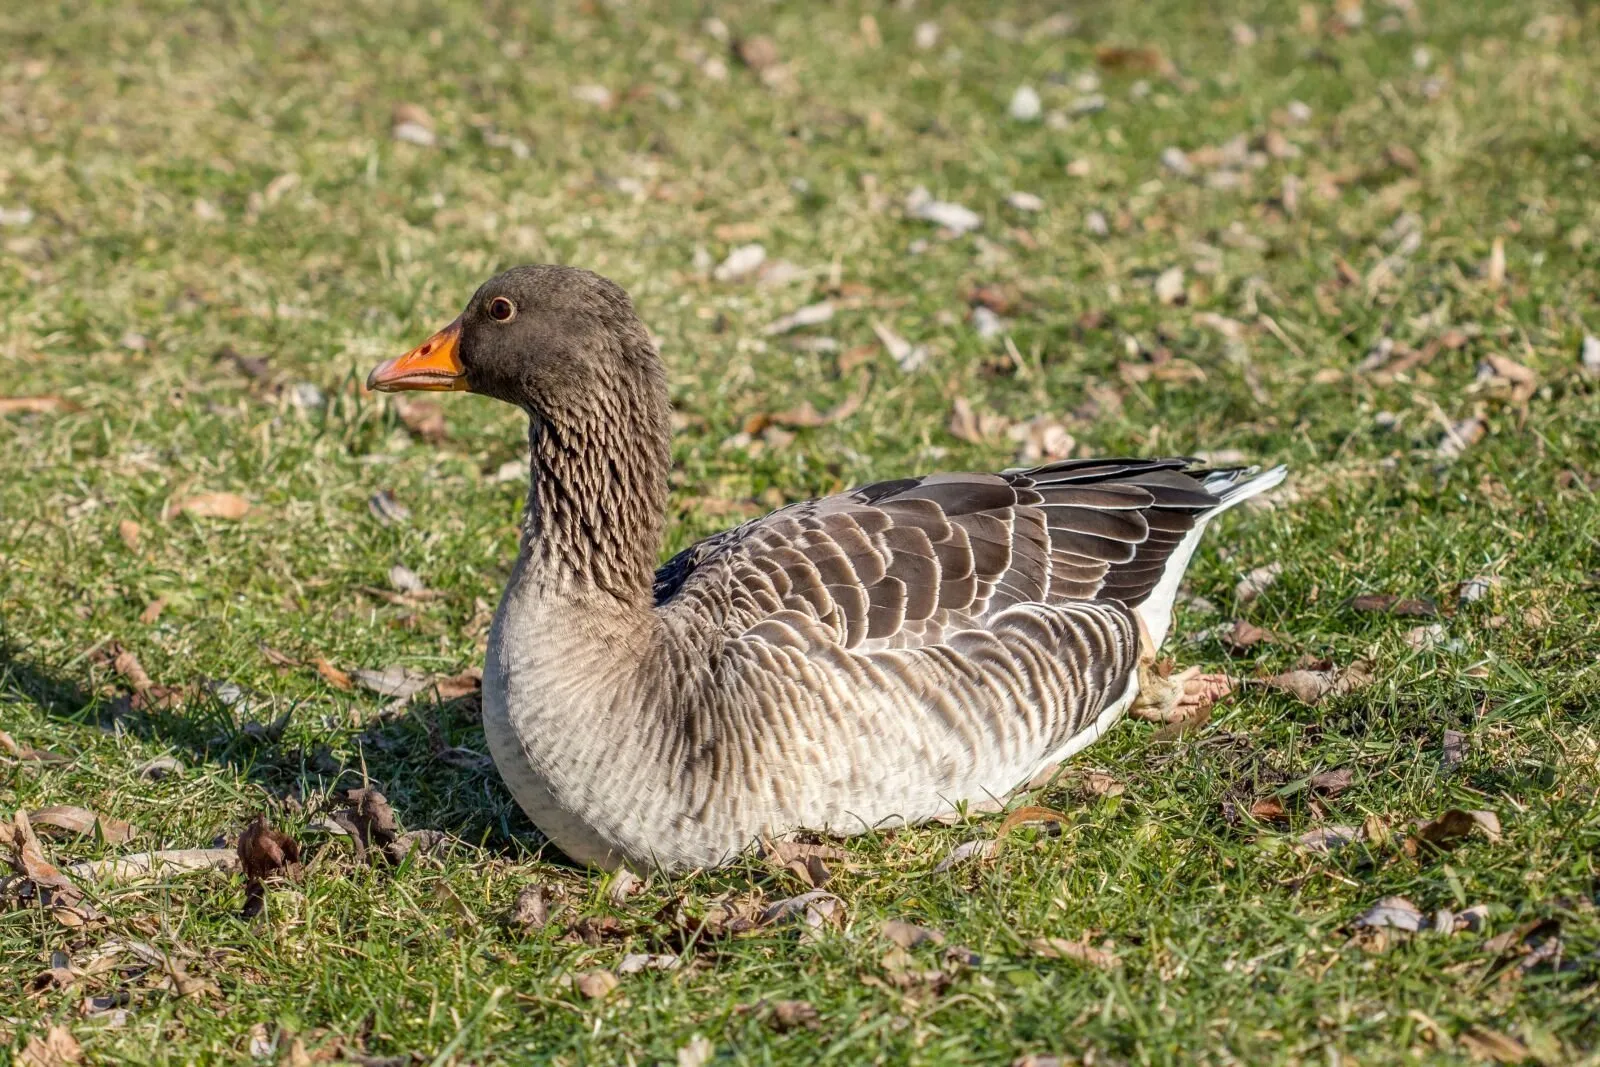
(871, 658)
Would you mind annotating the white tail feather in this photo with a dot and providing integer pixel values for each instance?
(1234, 487)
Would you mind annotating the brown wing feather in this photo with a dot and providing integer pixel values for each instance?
(907, 562)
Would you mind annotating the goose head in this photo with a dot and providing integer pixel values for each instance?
(545, 338)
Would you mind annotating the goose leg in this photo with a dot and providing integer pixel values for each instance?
(1160, 696)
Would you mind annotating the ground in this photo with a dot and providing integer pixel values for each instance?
(1359, 239)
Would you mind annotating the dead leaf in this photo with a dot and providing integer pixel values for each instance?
(1451, 827)
(1241, 636)
(1169, 286)
(1268, 809)
(152, 611)
(624, 884)
(159, 768)
(1256, 582)
(332, 675)
(1460, 436)
(119, 869)
(276, 658)
(1059, 948)
(810, 315)
(210, 506)
(1494, 272)
(969, 850)
(424, 419)
(400, 683)
(34, 405)
(1311, 686)
(1096, 784)
(1389, 604)
(54, 889)
(1332, 783)
(1507, 380)
(369, 819)
(1042, 439)
(264, 853)
(792, 1014)
(1029, 815)
(806, 416)
(969, 426)
(817, 909)
(129, 531)
(1328, 838)
(57, 1048)
(1485, 1044)
(910, 935)
(910, 358)
(596, 984)
(83, 821)
(1396, 912)
(1454, 750)
(532, 909)
(1131, 58)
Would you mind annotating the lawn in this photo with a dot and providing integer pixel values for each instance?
(1359, 239)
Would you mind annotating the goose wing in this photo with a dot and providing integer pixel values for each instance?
(904, 563)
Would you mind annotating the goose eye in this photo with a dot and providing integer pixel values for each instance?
(501, 309)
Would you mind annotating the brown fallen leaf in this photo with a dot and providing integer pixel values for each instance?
(1096, 784)
(531, 910)
(56, 1048)
(424, 419)
(83, 821)
(1269, 809)
(966, 424)
(1059, 948)
(119, 869)
(130, 531)
(1328, 838)
(1450, 828)
(1460, 436)
(264, 853)
(817, 910)
(332, 675)
(806, 416)
(910, 935)
(210, 506)
(1242, 635)
(981, 849)
(1486, 1044)
(369, 819)
(1396, 912)
(1389, 604)
(1494, 271)
(792, 1014)
(159, 768)
(1311, 686)
(53, 888)
(1332, 783)
(1256, 582)
(34, 405)
(1132, 58)
(596, 984)
(276, 658)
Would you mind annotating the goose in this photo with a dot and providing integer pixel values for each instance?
(873, 658)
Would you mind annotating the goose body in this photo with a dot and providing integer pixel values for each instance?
(867, 659)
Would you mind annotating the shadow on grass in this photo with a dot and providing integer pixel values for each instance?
(421, 757)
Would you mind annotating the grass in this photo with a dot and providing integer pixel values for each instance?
(151, 143)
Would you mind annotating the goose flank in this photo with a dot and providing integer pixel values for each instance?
(867, 659)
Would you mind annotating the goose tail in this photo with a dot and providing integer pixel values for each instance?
(1231, 487)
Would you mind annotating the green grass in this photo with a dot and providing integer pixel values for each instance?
(1233, 944)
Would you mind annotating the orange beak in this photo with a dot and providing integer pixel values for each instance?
(433, 365)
